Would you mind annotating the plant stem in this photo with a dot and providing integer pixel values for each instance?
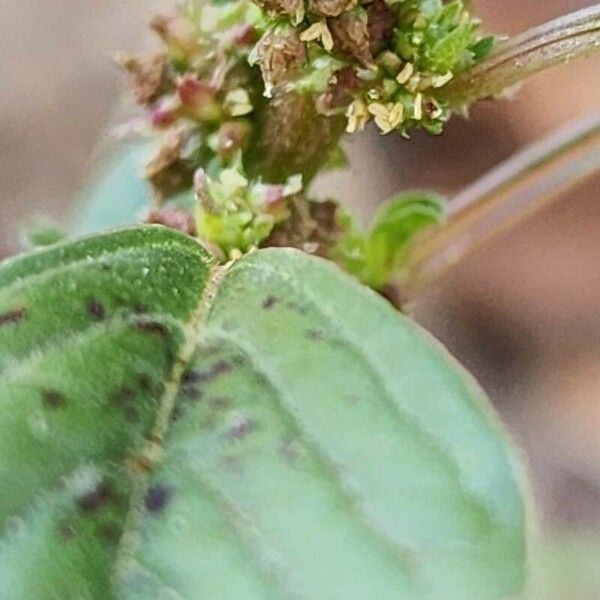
(575, 35)
(505, 196)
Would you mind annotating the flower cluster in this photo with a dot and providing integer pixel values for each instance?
(249, 100)
(379, 60)
(199, 93)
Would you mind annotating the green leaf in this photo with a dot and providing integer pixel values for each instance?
(88, 336)
(378, 256)
(173, 429)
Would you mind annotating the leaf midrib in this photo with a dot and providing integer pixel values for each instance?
(149, 456)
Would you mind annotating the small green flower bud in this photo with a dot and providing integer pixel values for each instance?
(236, 214)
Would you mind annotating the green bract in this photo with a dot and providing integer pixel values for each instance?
(174, 429)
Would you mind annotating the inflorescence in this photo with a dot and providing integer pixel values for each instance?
(229, 67)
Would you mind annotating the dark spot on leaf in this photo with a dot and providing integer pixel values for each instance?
(96, 310)
(145, 382)
(189, 384)
(241, 427)
(95, 499)
(261, 379)
(13, 316)
(139, 309)
(220, 402)
(122, 395)
(239, 360)
(190, 377)
(219, 368)
(314, 334)
(132, 414)
(192, 393)
(176, 414)
(157, 497)
(269, 302)
(110, 532)
(152, 327)
(53, 399)
(337, 343)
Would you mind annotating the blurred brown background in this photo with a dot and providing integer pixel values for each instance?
(523, 313)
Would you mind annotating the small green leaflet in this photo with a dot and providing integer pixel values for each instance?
(378, 256)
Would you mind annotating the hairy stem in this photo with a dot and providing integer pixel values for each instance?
(575, 35)
(505, 196)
